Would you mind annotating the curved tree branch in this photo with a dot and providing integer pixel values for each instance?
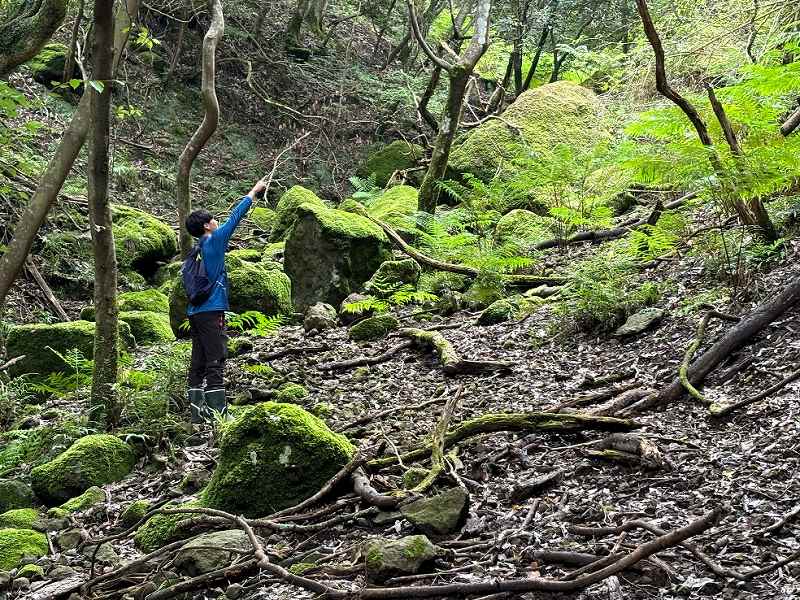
(437, 60)
(22, 36)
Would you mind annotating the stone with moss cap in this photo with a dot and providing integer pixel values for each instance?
(142, 241)
(31, 572)
(440, 514)
(291, 393)
(286, 210)
(273, 456)
(540, 119)
(263, 218)
(148, 327)
(330, 254)
(16, 544)
(498, 311)
(134, 512)
(391, 275)
(20, 518)
(161, 529)
(399, 155)
(14, 494)
(148, 300)
(94, 495)
(373, 328)
(92, 460)
(388, 558)
(32, 341)
(48, 66)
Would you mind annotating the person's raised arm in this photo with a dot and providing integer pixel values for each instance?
(225, 231)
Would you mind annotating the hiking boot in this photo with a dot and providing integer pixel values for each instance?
(216, 403)
(197, 403)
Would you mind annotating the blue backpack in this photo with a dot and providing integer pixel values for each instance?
(195, 279)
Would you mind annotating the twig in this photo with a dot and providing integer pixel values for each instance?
(720, 410)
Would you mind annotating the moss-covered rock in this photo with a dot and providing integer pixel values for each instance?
(14, 494)
(32, 341)
(291, 393)
(391, 275)
(273, 252)
(162, 529)
(331, 253)
(166, 274)
(47, 67)
(19, 518)
(148, 300)
(439, 515)
(388, 558)
(373, 328)
(251, 286)
(273, 456)
(397, 207)
(236, 257)
(497, 312)
(263, 218)
(320, 316)
(92, 460)
(521, 225)
(148, 327)
(134, 512)
(142, 241)
(542, 118)
(396, 156)
(31, 572)
(286, 210)
(94, 495)
(208, 551)
(16, 544)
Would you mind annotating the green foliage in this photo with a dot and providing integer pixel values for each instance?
(144, 39)
(14, 393)
(254, 322)
(63, 383)
(402, 294)
(652, 241)
(366, 190)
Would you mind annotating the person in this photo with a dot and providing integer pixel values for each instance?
(207, 320)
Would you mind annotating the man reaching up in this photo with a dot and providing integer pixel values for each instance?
(207, 314)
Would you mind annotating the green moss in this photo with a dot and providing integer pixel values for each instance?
(341, 223)
(300, 568)
(32, 341)
(497, 312)
(134, 512)
(150, 300)
(142, 241)
(396, 206)
(16, 544)
(417, 548)
(148, 327)
(374, 558)
(323, 410)
(57, 513)
(48, 66)
(286, 210)
(391, 275)
(352, 206)
(542, 118)
(166, 274)
(291, 392)
(19, 518)
(244, 255)
(413, 476)
(373, 328)
(263, 218)
(272, 252)
(31, 572)
(520, 224)
(92, 460)
(94, 495)
(162, 529)
(255, 287)
(273, 456)
(14, 493)
(396, 156)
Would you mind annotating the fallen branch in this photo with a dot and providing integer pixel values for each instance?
(630, 449)
(720, 410)
(363, 488)
(452, 363)
(266, 356)
(698, 339)
(494, 422)
(352, 363)
(792, 123)
(30, 267)
(437, 443)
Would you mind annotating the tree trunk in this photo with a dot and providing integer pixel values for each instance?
(179, 45)
(433, 83)
(536, 58)
(106, 337)
(206, 128)
(51, 181)
(69, 61)
(310, 12)
(25, 33)
(792, 123)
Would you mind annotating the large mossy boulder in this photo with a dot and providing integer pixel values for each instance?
(16, 544)
(47, 67)
(392, 275)
(331, 253)
(271, 457)
(142, 241)
(148, 327)
(538, 121)
(251, 286)
(396, 156)
(36, 342)
(92, 460)
(286, 210)
(149, 300)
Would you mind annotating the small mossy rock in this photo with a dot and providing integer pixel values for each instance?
(373, 328)
(498, 311)
(15, 494)
(32, 341)
(386, 558)
(331, 253)
(640, 322)
(162, 529)
(347, 316)
(94, 495)
(148, 327)
(31, 572)
(104, 555)
(439, 515)
(17, 544)
(520, 224)
(320, 316)
(413, 477)
(273, 252)
(286, 210)
(291, 393)
(207, 552)
(391, 275)
(195, 480)
(273, 456)
(245, 255)
(263, 218)
(146, 300)
(134, 512)
(396, 156)
(20, 518)
(549, 115)
(239, 345)
(142, 241)
(92, 460)
(47, 66)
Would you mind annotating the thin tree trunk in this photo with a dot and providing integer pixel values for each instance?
(536, 58)
(51, 181)
(433, 83)
(792, 123)
(69, 61)
(206, 128)
(179, 46)
(106, 336)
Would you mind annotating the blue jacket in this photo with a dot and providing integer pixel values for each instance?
(213, 247)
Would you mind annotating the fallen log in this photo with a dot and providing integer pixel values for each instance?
(452, 363)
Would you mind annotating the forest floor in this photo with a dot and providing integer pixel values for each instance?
(747, 463)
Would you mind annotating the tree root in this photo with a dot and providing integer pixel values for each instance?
(720, 410)
(362, 361)
(698, 339)
(629, 449)
(452, 363)
(437, 443)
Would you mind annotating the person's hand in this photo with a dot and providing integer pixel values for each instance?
(258, 188)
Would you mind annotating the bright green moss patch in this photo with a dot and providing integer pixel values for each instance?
(396, 156)
(341, 223)
(147, 300)
(291, 392)
(161, 529)
(142, 241)
(520, 224)
(263, 218)
(255, 287)
(395, 206)
(273, 456)
(92, 460)
(134, 512)
(286, 210)
(48, 66)
(20, 518)
(244, 255)
(148, 327)
(373, 328)
(31, 572)
(16, 544)
(94, 495)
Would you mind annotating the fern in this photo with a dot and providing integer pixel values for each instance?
(254, 322)
(402, 295)
(366, 190)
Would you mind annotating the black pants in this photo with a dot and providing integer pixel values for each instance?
(209, 350)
